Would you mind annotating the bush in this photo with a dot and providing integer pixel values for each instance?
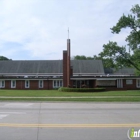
(81, 89)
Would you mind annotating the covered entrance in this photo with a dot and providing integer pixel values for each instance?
(83, 83)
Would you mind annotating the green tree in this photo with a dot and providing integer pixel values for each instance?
(115, 56)
(128, 55)
(82, 57)
(3, 58)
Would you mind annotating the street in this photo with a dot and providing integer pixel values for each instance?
(67, 121)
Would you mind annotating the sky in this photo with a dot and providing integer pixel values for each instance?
(38, 29)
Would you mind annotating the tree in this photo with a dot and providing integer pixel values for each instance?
(82, 57)
(3, 58)
(115, 56)
(121, 56)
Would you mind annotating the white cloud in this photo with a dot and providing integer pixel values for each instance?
(40, 26)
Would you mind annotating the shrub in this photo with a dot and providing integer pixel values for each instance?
(81, 89)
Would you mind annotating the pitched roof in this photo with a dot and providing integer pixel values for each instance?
(87, 66)
(31, 66)
(49, 66)
(122, 71)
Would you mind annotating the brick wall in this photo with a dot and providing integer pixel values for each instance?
(20, 84)
(125, 86)
(129, 86)
(8, 84)
(68, 62)
(34, 84)
(50, 84)
(65, 69)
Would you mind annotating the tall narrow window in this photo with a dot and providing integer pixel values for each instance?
(2, 84)
(27, 83)
(40, 83)
(138, 83)
(13, 83)
(54, 83)
(119, 83)
(61, 84)
(57, 83)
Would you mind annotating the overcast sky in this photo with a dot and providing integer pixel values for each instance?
(38, 29)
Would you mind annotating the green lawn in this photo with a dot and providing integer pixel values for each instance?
(107, 96)
(53, 93)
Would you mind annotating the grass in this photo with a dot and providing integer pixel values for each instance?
(54, 93)
(133, 99)
(108, 96)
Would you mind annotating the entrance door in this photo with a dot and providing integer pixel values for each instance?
(78, 84)
(83, 83)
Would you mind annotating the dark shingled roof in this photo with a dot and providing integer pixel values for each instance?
(130, 71)
(49, 66)
(122, 71)
(87, 66)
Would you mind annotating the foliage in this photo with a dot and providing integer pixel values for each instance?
(3, 58)
(82, 57)
(115, 56)
(121, 56)
(81, 89)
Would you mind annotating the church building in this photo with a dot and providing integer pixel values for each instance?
(52, 74)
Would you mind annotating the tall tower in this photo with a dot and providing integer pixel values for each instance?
(67, 70)
(68, 62)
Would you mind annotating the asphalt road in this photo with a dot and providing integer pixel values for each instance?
(68, 121)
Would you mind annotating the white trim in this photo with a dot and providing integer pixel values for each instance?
(83, 78)
(12, 84)
(18, 79)
(129, 81)
(27, 85)
(32, 74)
(105, 79)
(119, 83)
(36, 74)
(57, 83)
(2, 83)
(39, 83)
(138, 83)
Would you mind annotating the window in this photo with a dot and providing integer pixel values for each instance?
(138, 83)
(2, 84)
(57, 83)
(61, 84)
(129, 82)
(27, 83)
(40, 83)
(105, 82)
(119, 83)
(54, 83)
(13, 84)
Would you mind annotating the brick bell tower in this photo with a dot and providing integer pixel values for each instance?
(66, 64)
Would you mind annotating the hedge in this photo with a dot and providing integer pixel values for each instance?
(81, 89)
